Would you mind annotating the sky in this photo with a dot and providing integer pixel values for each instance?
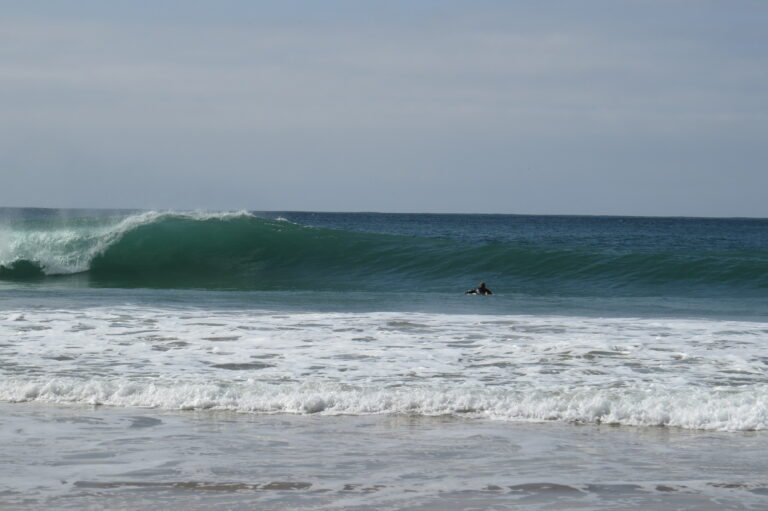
(616, 107)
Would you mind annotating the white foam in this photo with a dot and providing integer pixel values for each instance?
(688, 373)
(710, 409)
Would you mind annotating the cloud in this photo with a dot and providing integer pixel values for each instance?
(445, 99)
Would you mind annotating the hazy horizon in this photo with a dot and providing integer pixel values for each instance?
(371, 212)
(640, 108)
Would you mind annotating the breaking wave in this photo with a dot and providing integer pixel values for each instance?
(242, 251)
(726, 409)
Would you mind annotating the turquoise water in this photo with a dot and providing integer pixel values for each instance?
(368, 261)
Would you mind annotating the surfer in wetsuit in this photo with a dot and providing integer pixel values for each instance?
(479, 290)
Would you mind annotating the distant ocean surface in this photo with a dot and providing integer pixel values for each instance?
(625, 321)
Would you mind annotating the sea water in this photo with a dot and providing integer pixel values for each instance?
(289, 360)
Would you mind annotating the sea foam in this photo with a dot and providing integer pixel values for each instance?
(688, 373)
(708, 409)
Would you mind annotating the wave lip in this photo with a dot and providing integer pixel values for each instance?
(723, 409)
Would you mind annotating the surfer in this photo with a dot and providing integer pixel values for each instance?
(479, 290)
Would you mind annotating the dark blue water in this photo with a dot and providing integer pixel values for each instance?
(606, 232)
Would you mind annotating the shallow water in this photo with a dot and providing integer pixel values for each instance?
(97, 458)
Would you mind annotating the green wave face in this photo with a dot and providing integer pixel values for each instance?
(22, 269)
(235, 252)
(241, 251)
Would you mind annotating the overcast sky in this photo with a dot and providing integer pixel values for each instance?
(637, 107)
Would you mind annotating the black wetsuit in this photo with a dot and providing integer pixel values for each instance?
(479, 291)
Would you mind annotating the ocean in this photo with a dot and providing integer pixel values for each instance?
(299, 360)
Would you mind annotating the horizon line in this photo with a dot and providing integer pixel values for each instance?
(220, 210)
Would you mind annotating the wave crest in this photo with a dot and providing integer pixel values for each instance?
(736, 409)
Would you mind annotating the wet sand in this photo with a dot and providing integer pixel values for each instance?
(61, 457)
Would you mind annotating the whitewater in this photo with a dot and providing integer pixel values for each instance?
(692, 374)
(341, 349)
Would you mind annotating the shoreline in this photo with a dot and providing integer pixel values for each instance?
(80, 457)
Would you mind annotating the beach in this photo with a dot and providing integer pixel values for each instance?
(76, 457)
(332, 361)
(352, 256)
